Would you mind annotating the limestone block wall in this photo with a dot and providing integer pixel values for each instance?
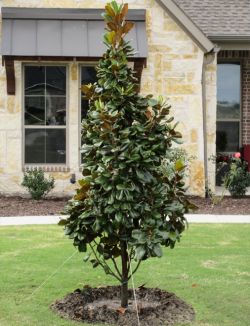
(211, 103)
(174, 70)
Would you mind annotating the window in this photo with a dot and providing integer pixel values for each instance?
(88, 75)
(228, 107)
(45, 114)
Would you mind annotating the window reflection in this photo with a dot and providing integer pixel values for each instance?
(227, 136)
(84, 108)
(55, 80)
(55, 146)
(88, 75)
(34, 110)
(228, 91)
(35, 146)
(228, 107)
(45, 105)
(45, 146)
(34, 80)
(55, 110)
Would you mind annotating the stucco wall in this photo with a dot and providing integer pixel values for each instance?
(174, 69)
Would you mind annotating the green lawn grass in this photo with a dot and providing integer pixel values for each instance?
(210, 269)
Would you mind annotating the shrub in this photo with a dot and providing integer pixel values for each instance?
(36, 183)
(237, 178)
(126, 208)
(174, 157)
(222, 165)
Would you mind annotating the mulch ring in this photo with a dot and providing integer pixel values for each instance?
(102, 305)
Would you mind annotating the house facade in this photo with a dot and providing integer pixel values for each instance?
(193, 53)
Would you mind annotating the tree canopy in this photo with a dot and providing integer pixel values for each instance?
(127, 206)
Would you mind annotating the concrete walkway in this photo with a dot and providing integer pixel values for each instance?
(207, 218)
(29, 220)
(192, 218)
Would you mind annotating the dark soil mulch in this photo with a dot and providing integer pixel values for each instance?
(102, 305)
(228, 206)
(18, 206)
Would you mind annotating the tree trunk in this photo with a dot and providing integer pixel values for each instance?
(124, 286)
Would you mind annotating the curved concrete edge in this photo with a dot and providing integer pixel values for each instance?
(29, 220)
(54, 219)
(207, 218)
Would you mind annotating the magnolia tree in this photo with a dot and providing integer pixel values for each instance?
(129, 204)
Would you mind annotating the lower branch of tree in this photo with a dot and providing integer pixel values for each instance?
(134, 271)
(103, 264)
(116, 267)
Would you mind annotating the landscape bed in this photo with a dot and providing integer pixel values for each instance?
(209, 270)
(18, 206)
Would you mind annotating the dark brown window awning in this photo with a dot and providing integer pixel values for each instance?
(61, 35)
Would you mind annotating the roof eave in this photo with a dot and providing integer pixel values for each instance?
(229, 38)
(64, 13)
(187, 24)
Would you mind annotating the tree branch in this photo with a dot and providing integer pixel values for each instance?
(131, 253)
(134, 271)
(116, 267)
(103, 264)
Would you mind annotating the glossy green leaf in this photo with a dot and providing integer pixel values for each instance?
(118, 217)
(179, 165)
(82, 247)
(62, 222)
(86, 258)
(140, 252)
(94, 262)
(152, 102)
(157, 250)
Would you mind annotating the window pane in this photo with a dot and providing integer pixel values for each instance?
(34, 110)
(55, 80)
(228, 91)
(45, 146)
(84, 108)
(227, 136)
(34, 80)
(88, 75)
(34, 146)
(56, 146)
(55, 110)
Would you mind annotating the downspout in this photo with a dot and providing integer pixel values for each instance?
(208, 58)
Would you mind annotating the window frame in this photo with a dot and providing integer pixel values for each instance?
(45, 166)
(82, 64)
(237, 61)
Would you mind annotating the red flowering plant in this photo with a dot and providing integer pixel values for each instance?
(237, 155)
(231, 173)
(222, 163)
(220, 158)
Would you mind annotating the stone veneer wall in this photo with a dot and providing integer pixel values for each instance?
(174, 70)
(211, 103)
